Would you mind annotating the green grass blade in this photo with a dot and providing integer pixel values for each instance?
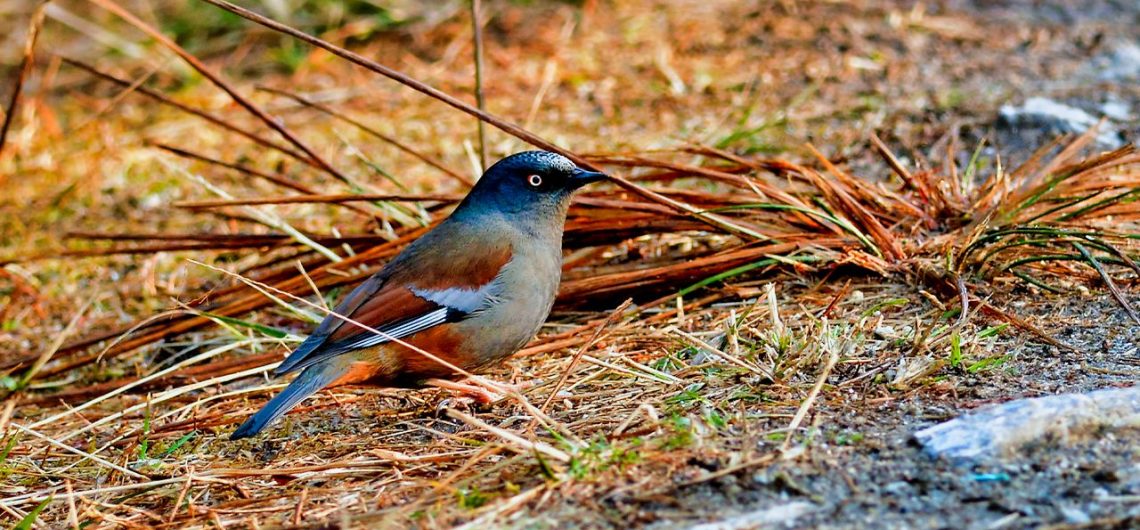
(890, 302)
(7, 449)
(972, 165)
(1051, 232)
(1062, 206)
(955, 350)
(836, 220)
(992, 331)
(988, 363)
(1041, 258)
(1104, 275)
(177, 444)
(30, 520)
(1120, 254)
(267, 330)
(1034, 281)
(743, 269)
(1104, 203)
(1042, 191)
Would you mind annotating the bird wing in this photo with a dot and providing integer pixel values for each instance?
(415, 292)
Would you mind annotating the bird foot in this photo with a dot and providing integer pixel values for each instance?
(476, 393)
(461, 403)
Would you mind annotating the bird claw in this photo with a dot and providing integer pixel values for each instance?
(519, 387)
(454, 402)
(470, 394)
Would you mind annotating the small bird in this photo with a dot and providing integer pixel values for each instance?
(472, 291)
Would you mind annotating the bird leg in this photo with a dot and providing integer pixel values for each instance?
(470, 394)
(481, 395)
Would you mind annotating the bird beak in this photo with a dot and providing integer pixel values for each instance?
(581, 177)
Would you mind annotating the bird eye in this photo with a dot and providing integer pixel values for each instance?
(534, 180)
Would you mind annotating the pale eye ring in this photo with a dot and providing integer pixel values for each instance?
(534, 180)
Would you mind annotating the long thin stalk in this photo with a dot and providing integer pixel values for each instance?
(372, 131)
(161, 98)
(477, 37)
(332, 199)
(26, 65)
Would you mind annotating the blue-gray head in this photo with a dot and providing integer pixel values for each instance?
(531, 181)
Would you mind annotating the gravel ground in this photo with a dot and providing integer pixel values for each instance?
(887, 481)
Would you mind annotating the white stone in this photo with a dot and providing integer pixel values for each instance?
(998, 430)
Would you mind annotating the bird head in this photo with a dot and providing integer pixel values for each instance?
(531, 181)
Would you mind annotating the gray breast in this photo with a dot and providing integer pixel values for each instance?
(519, 303)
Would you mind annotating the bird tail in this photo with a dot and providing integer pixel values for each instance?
(308, 383)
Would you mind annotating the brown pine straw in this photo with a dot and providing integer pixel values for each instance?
(27, 64)
(465, 181)
(713, 220)
(614, 315)
(214, 78)
(579, 287)
(834, 352)
(317, 199)
(277, 179)
(215, 120)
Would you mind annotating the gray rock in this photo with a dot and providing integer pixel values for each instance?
(1075, 515)
(1044, 116)
(1001, 429)
(1116, 108)
(1121, 63)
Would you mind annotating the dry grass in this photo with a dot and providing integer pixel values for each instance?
(881, 280)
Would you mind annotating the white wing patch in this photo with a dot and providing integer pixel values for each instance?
(466, 300)
(421, 323)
